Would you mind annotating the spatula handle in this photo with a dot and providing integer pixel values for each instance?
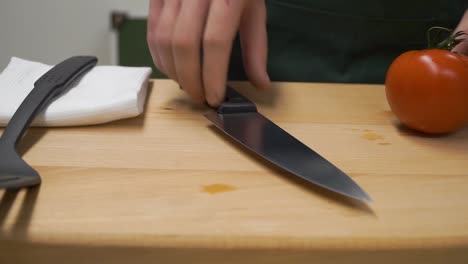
(46, 88)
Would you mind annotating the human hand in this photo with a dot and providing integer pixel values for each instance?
(179, 29)
(462, 26)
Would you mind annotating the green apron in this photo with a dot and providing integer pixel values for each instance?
(345, 41)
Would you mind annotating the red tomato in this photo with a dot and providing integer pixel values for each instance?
(428, 90)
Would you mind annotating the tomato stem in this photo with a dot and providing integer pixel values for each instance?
(447, 43)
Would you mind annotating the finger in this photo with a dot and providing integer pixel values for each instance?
(462, 26)
(254, 41)
(164, 33)
(186, 44)
(155, 7)
(220, 31)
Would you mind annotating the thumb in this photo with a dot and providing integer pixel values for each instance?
(254, 42)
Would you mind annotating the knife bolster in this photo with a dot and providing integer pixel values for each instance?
(235, 103)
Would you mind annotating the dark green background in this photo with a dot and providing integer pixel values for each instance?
(325, 40)
(133, 49)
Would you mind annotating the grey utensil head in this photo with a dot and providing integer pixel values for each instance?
(14, 171)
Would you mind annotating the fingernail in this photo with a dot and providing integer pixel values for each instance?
(267, 84)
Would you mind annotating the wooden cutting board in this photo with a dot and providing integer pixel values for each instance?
(168, 187)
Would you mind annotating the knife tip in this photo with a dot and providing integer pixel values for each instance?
(363, 197)
(355, 192)
(367, 199)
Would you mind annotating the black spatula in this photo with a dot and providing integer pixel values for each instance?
(15, 173)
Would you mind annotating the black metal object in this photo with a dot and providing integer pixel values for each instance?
(118, 19)
(14, 171)
(235, 103)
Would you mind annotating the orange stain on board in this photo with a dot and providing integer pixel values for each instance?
(218, 188)
(384, 143)
(372, 136)
(387, 113)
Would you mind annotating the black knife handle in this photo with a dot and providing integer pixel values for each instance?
(46, 88)
(235, 103)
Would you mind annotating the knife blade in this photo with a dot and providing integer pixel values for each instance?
(238, 117)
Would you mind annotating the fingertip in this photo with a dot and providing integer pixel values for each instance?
(198, 100)
(214, 98)
(265, 82)
(260, 79)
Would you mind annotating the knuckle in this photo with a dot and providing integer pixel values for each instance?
(183, 43)
(163, 40)
(216, 41)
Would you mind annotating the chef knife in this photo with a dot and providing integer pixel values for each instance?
(238, 117)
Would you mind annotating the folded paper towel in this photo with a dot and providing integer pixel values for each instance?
(104, 94)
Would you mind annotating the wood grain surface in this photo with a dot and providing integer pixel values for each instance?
(167, 186)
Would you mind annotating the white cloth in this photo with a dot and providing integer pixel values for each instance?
(104, 94)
